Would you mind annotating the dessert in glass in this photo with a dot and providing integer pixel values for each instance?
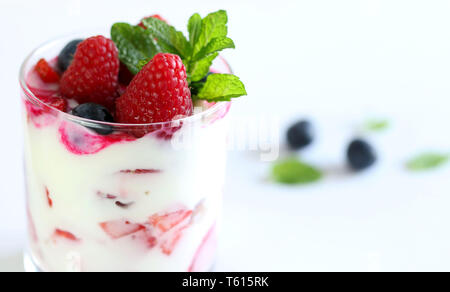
(125, 157)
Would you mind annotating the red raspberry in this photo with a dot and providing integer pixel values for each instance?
(141, 24)
(93, 74)
(158, 93)
(46, 72)
(56, 102)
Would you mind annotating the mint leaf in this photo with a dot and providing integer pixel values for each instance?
(215, 45)
(376, 125)
(170, 40)
(221, 87)
(141, 64)
(133, 43)
(214, 25)
(293, 171)
(201, 68)
(427, 161)
(194, 28)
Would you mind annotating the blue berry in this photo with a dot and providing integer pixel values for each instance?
(361, 155)
(96, 112)
(66, 55)
(300, 135)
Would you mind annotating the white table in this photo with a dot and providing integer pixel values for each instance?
(338, 62)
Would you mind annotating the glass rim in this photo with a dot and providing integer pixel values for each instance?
(67, 116)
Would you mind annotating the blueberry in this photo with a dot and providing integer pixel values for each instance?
(95, 112)
(361, 155)
(66, 55)
(300, 135)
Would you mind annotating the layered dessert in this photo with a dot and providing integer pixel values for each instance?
(125, 147)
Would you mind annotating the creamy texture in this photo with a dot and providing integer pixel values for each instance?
(71, 195)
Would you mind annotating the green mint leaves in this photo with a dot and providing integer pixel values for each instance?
(168, 38)
(134, 44)
(292, 171)
(207, 37)
(427, 161)
(221, 87)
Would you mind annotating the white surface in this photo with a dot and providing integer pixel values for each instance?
(336, 61)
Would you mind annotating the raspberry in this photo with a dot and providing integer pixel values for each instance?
(158, 93)
(93, 74)
(141, 24)
(46, 72)
(125, 76)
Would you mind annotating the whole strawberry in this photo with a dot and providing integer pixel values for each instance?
(93, 73)
(158, 93)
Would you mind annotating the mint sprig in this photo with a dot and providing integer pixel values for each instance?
(207, 37)
(134, 44)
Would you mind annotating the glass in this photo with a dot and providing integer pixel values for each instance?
(101, 199)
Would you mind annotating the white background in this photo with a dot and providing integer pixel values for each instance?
(338, 62)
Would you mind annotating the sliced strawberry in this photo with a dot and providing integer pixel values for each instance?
(49, 199)
(120, 228)
(165, 222)
(65, 235)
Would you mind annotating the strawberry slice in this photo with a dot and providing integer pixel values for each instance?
(167, 221)
(120, 228)
(59, 233)
(170, 243)
(49, 199)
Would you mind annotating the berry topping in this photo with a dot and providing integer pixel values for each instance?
(66, 55)
(125, 75)
(95, 112)
(93, 74)
(158, 93)
(46, 72)
(300, 135)
(360, 155)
